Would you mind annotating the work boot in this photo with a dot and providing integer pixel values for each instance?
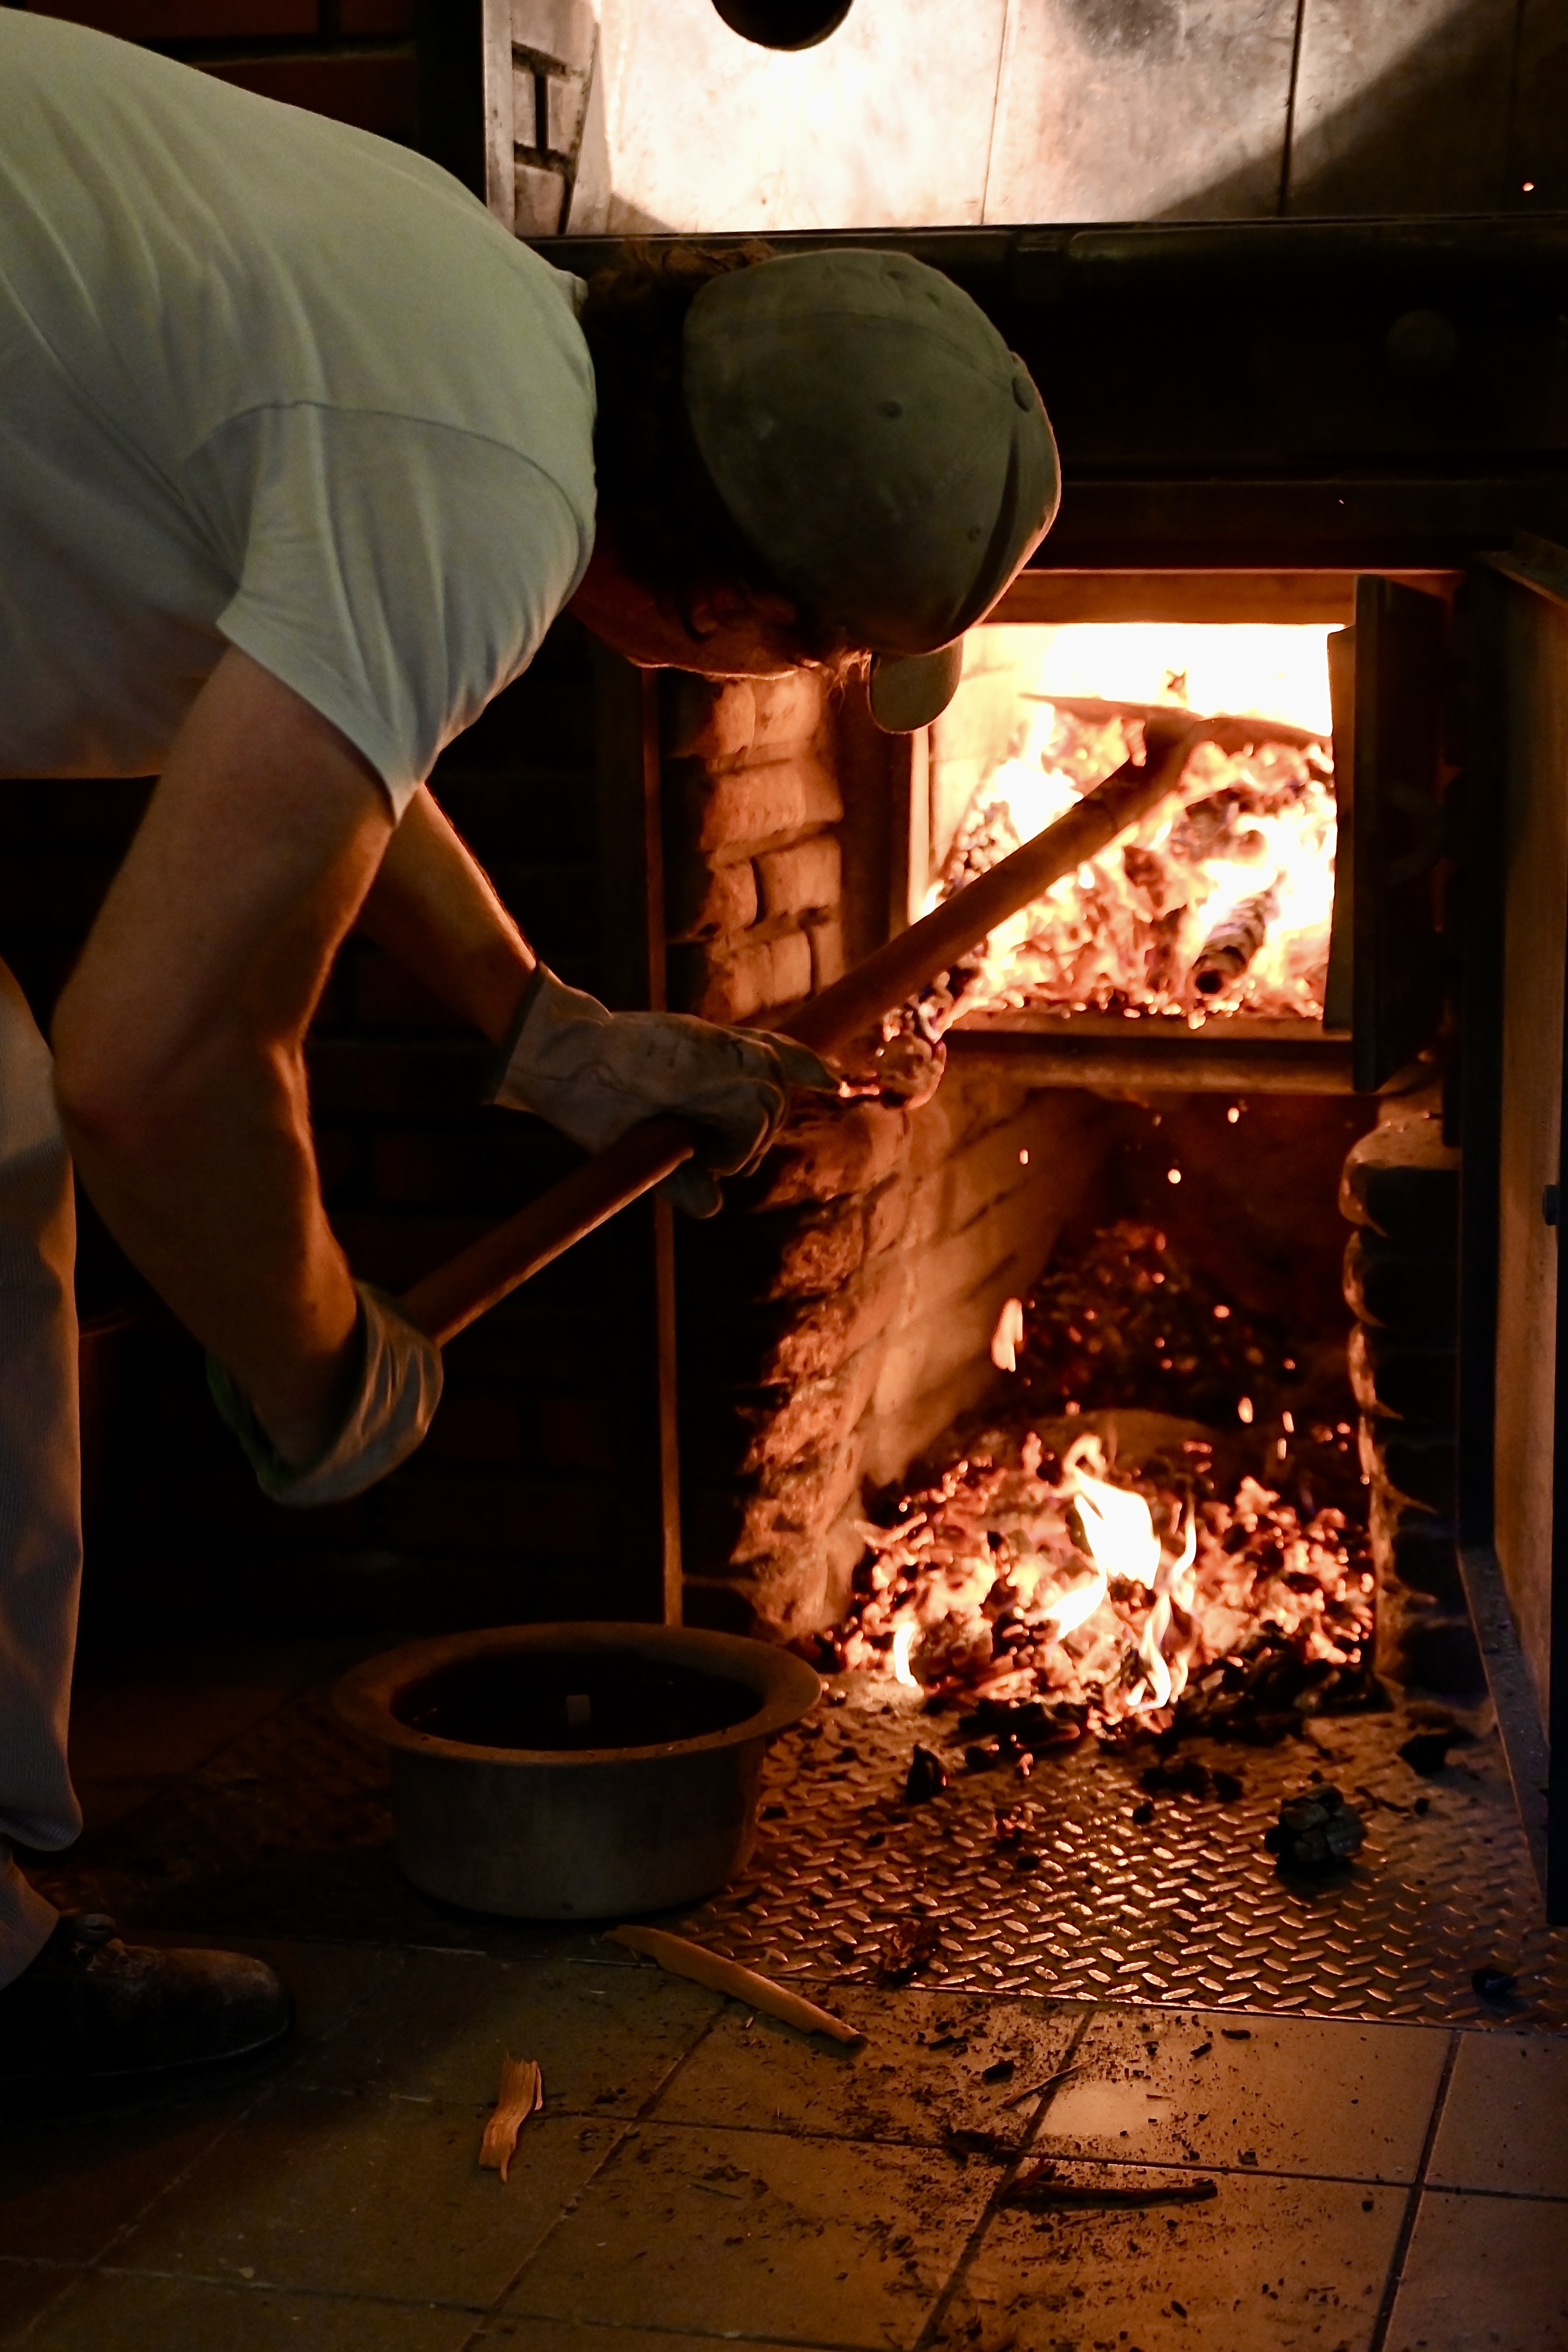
(91, 2009)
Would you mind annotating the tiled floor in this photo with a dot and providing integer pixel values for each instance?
(700, 2174)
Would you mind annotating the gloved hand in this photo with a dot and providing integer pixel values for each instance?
(594, 1074)
(398, 1391)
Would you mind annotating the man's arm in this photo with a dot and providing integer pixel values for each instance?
(436, 912)
(179, 1041)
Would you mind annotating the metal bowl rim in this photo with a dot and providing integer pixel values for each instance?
(787, 1686)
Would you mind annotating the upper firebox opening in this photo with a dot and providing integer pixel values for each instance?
(1222, 901)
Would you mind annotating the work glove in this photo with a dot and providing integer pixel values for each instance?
(594, 1073)
(398, 1390)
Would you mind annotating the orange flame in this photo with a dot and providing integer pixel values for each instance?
(1115, 1616)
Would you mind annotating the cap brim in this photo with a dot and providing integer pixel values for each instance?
(909, 690)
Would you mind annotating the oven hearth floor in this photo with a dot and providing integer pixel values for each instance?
(229, 1800)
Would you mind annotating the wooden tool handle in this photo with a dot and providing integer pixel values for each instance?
(446, 1301)
(893, 972)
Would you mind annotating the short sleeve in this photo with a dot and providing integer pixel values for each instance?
(396, 574)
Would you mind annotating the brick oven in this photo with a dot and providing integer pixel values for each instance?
(1302, 425)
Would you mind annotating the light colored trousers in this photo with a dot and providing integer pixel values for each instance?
(40, 1476)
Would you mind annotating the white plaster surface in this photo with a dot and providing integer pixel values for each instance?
(1130, 109)
(934, 113)
(887, 124)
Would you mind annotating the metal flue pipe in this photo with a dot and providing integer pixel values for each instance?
(447, 1300)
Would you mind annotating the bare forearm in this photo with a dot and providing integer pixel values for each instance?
(434, 910)
(216, 1202)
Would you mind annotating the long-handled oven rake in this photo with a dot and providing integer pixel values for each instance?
(448, 1299)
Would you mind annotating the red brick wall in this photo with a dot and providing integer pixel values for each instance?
(351, 59)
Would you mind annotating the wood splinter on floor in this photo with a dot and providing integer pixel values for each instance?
(1039, 2186)
(522, 2095)
(684, 1958)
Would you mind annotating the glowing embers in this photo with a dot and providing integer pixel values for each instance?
(1220, 906)
(1118, 1601)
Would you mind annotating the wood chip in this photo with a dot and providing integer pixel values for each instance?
(684, 1958)
(1039, 2186)
(996, 2145)
(1033, 2090)
(522, 2095)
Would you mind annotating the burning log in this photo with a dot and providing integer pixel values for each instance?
(1233, 944)
(447, 1300)
(1123, 934)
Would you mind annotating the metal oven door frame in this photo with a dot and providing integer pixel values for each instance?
(1513, 1303)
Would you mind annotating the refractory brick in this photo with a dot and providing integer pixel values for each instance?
(565, 30)
(706, 720)
(764, 974)
(710, 902)
(1413, 1296)
(797, 1253)
(1388, 1375)
(806, 874)
(789, 709)
(745, 806)
(829, 1149)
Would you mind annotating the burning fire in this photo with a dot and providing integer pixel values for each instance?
(1075, 1587)
(1222, 906)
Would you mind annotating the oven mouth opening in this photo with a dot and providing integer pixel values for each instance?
(1220, 909)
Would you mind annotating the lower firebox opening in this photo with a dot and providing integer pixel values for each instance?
(1156, 1517)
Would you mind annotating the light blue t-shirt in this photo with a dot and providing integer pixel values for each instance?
(268, 381)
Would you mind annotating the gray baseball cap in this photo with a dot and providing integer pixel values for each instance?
(881, 448)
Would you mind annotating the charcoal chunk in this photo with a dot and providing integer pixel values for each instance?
(909, 1946)
(1187, 1778)
(1315, 1830)
(928, 1777)
(1427, 1752)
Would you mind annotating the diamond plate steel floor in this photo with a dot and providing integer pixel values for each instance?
(286, 1830)
(1188, 1908)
